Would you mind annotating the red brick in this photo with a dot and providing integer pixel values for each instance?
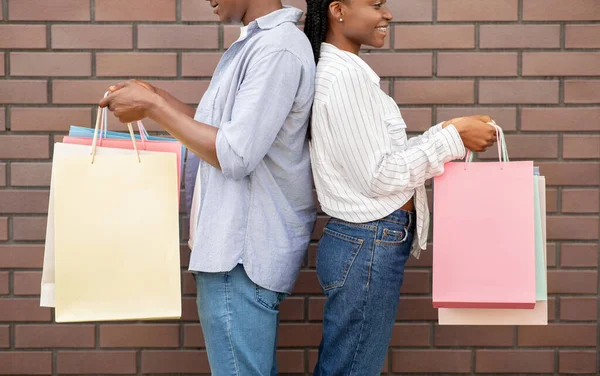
(558, 335)
(578, 309)
(416, 282)
(2, 120)
(563, 64)
(582, 91)
(4, 287)
(201, 64)
(139, 335)
(177, 36)
(522, 92)
(581, 147)
(23, 310)
(2, 174)
(26, 363)
(29, 228)
(55, 10)
(551, 200)
(18, 256)
(230, 34)
(174, 362)
(135, 10)
(292, 309)
(560, 119)
(91, 92)
(54, 336)
(527, 147)
(410, 335)
(189, 309)
(315, 308)
(23, 91)
(96, 362)
(3, 228)
(560, 10)
(45, 119)
(572, 282)
(50, 64)
(23, 201)
(2, 70)
(193, 336)
(582, 36)
(431, 361)
(290, 361)
(514, 361)
(470, 64)
(572, 227)
(519, 36)
(551, 255)
(453, 335)
(417, 119)
(416, 308)
(434, 37)
(24, 147)
(4, 336)
(436, 91)
(193, 10)
(307, 283)
(581, 201)
(299, 335)
(27, 283)
(579, 255)
(405, 65)
(411, 10)
(476, 10)
(30, 174)
(577, 362)
(114, 37)
(23, 36)
(136, 64)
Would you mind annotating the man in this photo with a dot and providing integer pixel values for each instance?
(252, 209)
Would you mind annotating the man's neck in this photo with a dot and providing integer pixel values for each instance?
(260, 8)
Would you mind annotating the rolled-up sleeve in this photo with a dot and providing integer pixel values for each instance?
(263, 103)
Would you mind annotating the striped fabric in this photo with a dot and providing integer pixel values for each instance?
(364, 165)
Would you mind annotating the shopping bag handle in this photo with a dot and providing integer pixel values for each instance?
(104, 127)
(502, 150)
(95, 139)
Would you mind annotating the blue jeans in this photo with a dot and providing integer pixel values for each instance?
(360, 268)
(239, 321)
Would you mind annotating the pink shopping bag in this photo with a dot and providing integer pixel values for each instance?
(143, 144)
(484, 235)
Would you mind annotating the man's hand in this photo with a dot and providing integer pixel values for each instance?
(131, 100)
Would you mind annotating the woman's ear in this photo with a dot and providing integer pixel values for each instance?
(336, 10)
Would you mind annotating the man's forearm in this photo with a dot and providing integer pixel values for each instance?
(198, 137)
(176, 103)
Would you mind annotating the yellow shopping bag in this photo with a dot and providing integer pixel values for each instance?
(116, 234)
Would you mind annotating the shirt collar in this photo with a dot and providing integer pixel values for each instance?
(330, 48)
(274, 19)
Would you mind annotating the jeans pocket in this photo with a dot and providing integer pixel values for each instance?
(269, 299)
(335, 256)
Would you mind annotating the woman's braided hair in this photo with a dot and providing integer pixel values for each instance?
(317, 24)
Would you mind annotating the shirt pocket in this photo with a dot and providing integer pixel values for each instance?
(396, 128)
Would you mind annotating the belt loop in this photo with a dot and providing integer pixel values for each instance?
(410, 215)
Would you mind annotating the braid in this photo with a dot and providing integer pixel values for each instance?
(316, 26)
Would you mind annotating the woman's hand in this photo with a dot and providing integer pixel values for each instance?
(474, 131)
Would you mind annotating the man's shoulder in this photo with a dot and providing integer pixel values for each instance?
(284, 38)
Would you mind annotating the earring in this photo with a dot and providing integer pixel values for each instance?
(341, 20)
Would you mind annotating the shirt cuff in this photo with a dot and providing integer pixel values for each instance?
(454, 145)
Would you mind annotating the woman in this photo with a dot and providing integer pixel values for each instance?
(370, 179)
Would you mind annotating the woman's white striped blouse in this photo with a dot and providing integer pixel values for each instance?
(364, 165)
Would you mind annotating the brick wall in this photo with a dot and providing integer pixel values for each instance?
(534, 65)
